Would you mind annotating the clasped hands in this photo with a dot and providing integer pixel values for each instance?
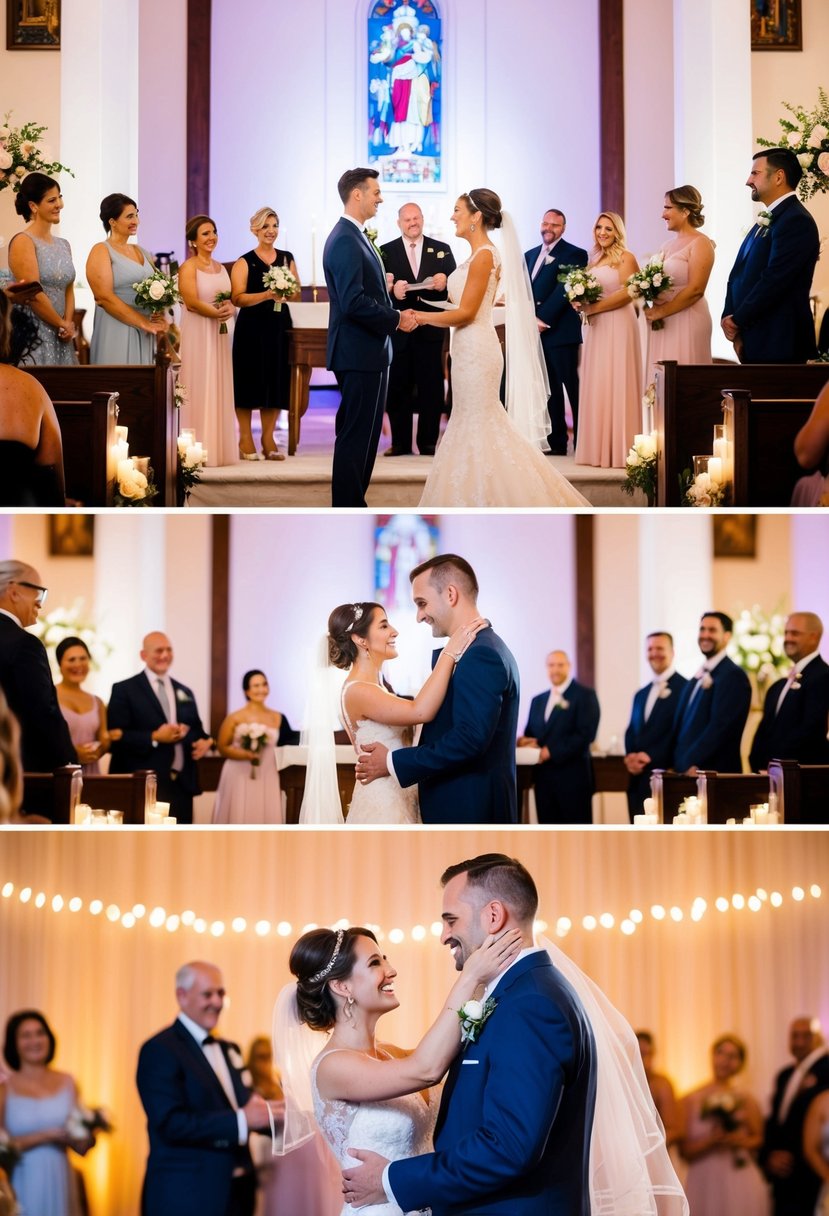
(408, 320)
(175, 732)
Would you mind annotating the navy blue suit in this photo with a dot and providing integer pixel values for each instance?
(709, 727)
(562, 340)
(192, 1127)
(513, 1131)
(135, 709)
(361, 322)
(656, 737)
(768, 288)
(26, 679)
(465, 764)
(798, 731)
(564, 783)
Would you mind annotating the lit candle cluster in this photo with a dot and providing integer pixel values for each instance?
(191, 453)
(131, 472)
(650, 816)
(714, 475)
(692, 811)
(761, 814)
(158, 815)
(86, 816)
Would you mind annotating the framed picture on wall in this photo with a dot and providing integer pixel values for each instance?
(776, 25)
(33, 25)
(735, 535)
(71, 535)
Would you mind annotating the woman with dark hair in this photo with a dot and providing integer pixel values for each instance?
(85, 714)
(36, 1102)
(206, 344)
(121, 332)
(489, 457)
(249, 785)
(37, 255)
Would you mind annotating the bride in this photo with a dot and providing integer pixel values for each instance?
(360, 640)
(489, 457)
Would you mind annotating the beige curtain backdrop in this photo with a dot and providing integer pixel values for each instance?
(105, 988)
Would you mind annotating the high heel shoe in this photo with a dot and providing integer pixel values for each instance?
(275, 454)
(250, 455)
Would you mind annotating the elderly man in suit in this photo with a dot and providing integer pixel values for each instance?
(199, 1109)
(796, 710)
(558, 323)
(713, 706)
(416, 373)
(767, 314)
(650, 732)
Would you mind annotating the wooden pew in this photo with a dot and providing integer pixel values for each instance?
(88, 432)
(57, 794)
(802, 791)
(145, 405)
(689, 405)
(765, 469)
(731, 795)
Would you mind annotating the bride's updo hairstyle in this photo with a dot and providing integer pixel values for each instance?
(691, 199)
(322, 955)
(489, 205)
(343, 621)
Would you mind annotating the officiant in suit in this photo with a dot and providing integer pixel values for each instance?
(199, 1109)
(558, 322)
(767, 314)
(416, 374)
(563, 723)
(361, 322)
(161, 728)
(650, 732)
(796, 710)
(713, 706)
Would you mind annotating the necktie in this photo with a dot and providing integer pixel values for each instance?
(163, 699)
(413, 259)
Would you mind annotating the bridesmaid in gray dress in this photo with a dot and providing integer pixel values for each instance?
(121, 333)
(36, 255)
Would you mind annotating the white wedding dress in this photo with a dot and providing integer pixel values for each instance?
(483, 460)
(383, 800)
(395, 1128)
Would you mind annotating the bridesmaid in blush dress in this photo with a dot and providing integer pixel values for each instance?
(85, 714)
(610, 412)
(206, 352)
(688, 258)
(249, 789)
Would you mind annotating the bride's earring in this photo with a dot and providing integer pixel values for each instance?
(348, 1009)
(471, 227)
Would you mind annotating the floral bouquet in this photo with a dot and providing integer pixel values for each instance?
(21, 152)
(179, 393)
(220, 298)
(757, 645)
(702, 490)
(580, 285)
(280, 281)
(84, 1121)
(135, 489)
(640, 467)
(722, 1108)
(9, 1155)
(649, 283)
(254, 738)
(807, 134)
(157, 292)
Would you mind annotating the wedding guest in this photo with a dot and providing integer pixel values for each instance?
(650, 732)
(37, 255)
(794, 1185)
(206, 360)
(767, 313)
(796, 709)
(261, 374)
(688, 258)
(611, 371)
(560, 327)
(662, 1091)
(713, 706)
(85, 714)
(249, 784)
(122, 333)
(723, 1128)
(416, 374)
(36, 1102)
(816, 1145)
(811, 449)
(563, 723)
(31, 451)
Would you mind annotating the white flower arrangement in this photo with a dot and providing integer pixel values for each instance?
(156, 293)
(640, 466)
(649, 283)
(705, 491)
(757, 644)
(135, 489)
(473, 1015)
(281, 282)
(807, 134)
(580, 284)
(21, 153)
(254, 738)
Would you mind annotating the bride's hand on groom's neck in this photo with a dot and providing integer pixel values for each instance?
(495, 953)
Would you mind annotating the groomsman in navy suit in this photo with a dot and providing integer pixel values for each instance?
(563, 723)
(796, 710)
(199, 1109)
(416, 375)
(713, 707)
(560, 325)
(513, 1130)
(361, 322)
(650, 732)
(767, 314)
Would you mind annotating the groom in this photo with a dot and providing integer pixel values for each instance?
(464, 766)
(513, 1131)
(361, 322)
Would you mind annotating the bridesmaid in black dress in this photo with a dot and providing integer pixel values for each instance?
(261, 376)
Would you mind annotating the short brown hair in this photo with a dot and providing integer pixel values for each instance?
(446, 568)
(499, 877)
(352, 179)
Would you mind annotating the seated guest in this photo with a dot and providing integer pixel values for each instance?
(563, 724)
(713, 706)
(811, 448)
(85, 714)
(662, 1091)
(238, 798)
(650, 732)
(31, 452)
(796, 709)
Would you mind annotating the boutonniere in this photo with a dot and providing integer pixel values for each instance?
(764, 221)
(548, 261)
(235, 1058)
(664, 692)
(562, 704)
(371, 236)
(473, 1015)
(440, 254)
(795, 685)
(247, 1079)
(182, 697)
(706, 680)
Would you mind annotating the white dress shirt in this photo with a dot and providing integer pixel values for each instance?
(216, 1059)
(545, 252)
(658, 683)
(556, 696)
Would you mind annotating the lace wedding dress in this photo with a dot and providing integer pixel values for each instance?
(383, 800)
(483, 460)
(395, 1128)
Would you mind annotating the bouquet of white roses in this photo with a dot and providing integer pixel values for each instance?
(281, 282)
(807, 134)
(757, 644)
(135, 489)
(21, 152)
(254, 738)
(704, 491)
(640, 467)
(580, 284)
(84, 1121)
(157, 292)
(649, 283)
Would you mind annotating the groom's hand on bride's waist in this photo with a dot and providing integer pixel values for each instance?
(363, 1184)
(372, 763)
